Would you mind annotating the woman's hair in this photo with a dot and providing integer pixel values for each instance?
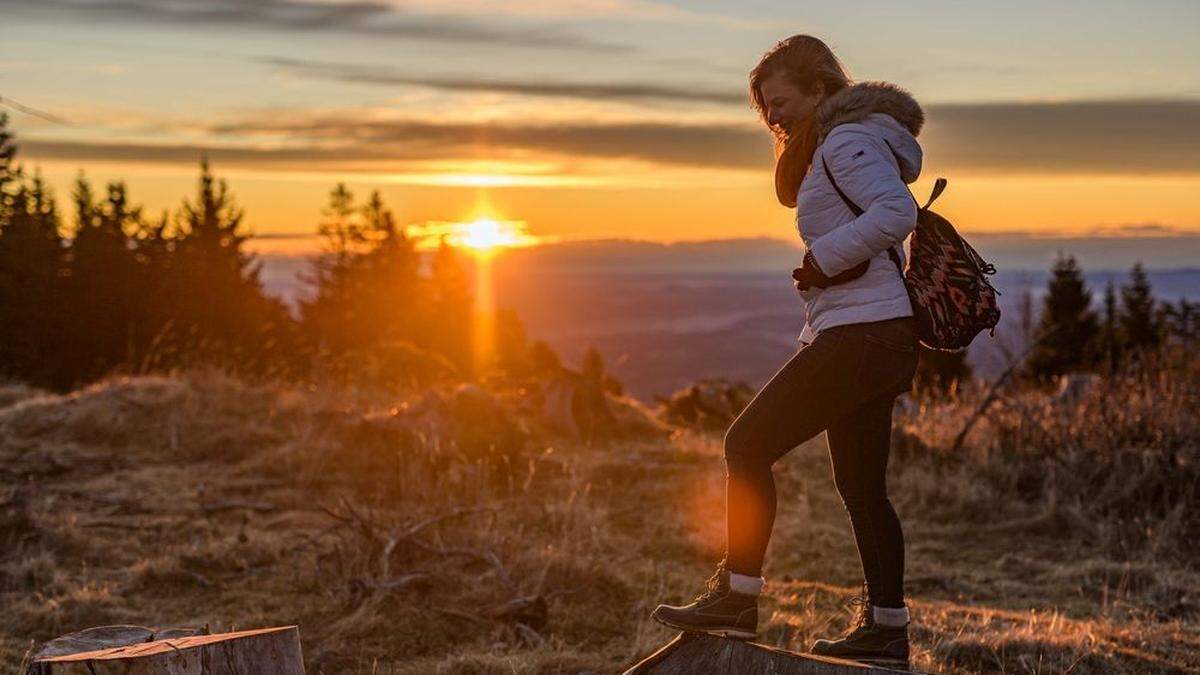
(804, 60)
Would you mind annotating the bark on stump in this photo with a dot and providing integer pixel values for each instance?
(267, 651)
(699, 653)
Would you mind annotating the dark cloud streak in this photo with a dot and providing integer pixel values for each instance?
(1116, 136)
(1098, 137)
(365, 17)
(701, 146)
(353, 74)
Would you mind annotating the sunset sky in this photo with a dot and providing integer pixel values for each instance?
(603, 118)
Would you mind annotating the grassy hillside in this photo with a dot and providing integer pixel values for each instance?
(454, 533)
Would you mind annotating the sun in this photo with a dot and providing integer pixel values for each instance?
(485, 235)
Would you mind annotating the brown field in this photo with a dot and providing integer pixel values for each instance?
(1061, 538)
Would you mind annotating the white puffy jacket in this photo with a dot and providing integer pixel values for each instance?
(867, 135)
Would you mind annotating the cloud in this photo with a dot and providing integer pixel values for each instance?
(614, 91)
(340, 140)
(370, 17)
(1096, 137)
(637, 10)
(1113, 136)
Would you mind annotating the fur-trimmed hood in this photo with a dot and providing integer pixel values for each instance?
(855, 102)
(882, 109)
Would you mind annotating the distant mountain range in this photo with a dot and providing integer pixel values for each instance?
(665, 315)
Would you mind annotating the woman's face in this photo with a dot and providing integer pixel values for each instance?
(786, 104)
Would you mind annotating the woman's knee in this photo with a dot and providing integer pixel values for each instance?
(741, 450)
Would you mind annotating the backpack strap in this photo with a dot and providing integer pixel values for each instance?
(858, 211)
(938, 186)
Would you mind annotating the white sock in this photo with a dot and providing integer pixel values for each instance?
(893, 617)
(745, 585)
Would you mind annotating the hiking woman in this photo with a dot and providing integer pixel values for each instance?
(858, 345)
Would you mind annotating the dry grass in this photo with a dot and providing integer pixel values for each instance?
(455, 535)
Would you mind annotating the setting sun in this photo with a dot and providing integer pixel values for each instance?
(485, 234)
(482, 235)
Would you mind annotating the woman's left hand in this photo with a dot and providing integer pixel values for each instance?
(810, 274)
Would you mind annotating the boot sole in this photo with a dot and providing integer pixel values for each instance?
(718, 631)
(883, 662)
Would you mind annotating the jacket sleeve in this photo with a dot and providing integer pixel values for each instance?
(862, 165)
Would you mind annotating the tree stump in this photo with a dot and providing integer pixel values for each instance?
(267, 651)
(699, 653)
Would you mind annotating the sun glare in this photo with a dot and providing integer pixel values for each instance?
(483, 235)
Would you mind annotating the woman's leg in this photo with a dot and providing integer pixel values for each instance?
(812, 389)
(858, 446)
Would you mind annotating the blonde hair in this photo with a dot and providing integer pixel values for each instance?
(804, 60)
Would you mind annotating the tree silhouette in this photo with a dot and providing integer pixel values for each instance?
(1181, 322)
(451, 308)
(9, 171)
(1109, 338)
(31, 278)
(104, 289)
(371, 307)
(1067, 327)
(1140, 326)
(222, 308)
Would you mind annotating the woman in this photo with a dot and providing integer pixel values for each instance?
(858, 345)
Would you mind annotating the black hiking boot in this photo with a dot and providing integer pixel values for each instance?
(719, 610)
(869, 642)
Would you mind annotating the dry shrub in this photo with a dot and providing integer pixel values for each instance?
(1122, 463)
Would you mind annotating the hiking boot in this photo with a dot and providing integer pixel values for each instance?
(869, 642)
(718, 610)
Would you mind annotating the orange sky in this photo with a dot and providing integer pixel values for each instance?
(601, 119)
(725, 207)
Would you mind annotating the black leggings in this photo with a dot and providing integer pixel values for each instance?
(844, 383)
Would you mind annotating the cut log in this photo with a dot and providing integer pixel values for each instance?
(107, 637)
(267, 651)
(699, 653)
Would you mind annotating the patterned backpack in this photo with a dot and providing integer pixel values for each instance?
(952, 299)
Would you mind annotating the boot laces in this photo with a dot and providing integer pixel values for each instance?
(713, 585)
(861, 606)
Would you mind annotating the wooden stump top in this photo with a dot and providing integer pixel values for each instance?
(273, 651)
(695, 652)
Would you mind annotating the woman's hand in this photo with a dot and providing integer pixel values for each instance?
(810, 274)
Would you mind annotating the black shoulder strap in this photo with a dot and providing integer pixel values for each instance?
(858, 212)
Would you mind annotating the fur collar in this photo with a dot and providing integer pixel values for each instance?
(855, 102)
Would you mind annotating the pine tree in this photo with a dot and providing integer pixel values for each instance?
(9, 170)
(221, 305)
(389, 288)
(104, 292)
(594, 372)
(328, 316)
(1140, 326)
(1181, 323)
(1067, 327)
(592, 366)
(1109, 338)
(451, 318)
(370, 306)
(31, 284)
(543, 360)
